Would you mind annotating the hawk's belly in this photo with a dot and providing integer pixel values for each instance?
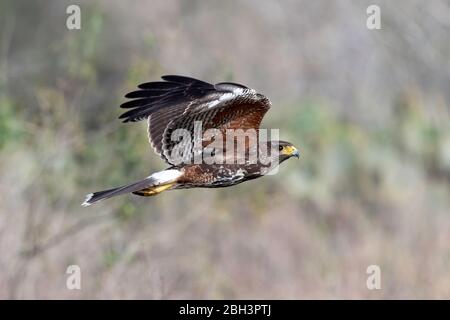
(214, 176)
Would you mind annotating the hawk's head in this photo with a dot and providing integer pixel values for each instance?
(279, 152)
(286, 150)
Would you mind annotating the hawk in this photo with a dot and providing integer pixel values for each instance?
(184, 107)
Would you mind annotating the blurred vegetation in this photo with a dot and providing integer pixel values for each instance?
(364, 192)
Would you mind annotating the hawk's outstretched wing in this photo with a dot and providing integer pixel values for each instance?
(178, 101)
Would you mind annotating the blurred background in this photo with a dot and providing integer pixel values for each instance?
(369, 110)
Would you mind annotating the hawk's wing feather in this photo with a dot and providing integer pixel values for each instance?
(186, 80)
(179, 101)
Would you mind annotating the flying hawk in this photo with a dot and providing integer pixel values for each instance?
(180, 111)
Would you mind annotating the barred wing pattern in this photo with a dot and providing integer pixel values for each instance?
(178, 101)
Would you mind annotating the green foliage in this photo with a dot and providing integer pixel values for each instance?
(11, 124)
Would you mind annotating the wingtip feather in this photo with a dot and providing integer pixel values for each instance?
(86, 202)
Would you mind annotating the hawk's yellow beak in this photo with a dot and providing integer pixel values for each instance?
(291, 151)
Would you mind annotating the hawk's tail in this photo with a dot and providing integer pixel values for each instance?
(152, 185)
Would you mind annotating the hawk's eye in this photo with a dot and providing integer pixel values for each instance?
(280, 148)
